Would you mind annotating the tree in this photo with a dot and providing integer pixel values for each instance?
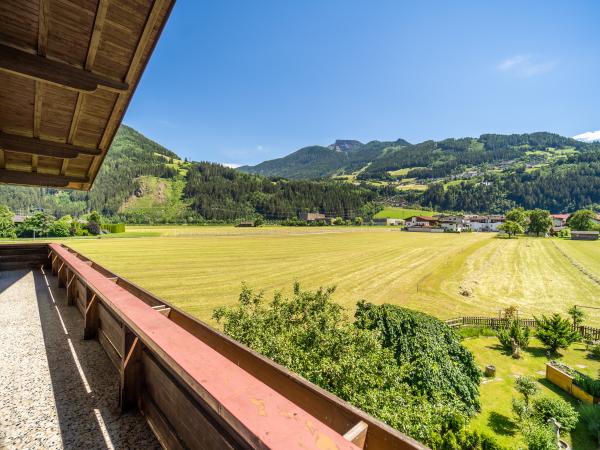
(539, 436)
(338, 221)
(7, 226)
(511, 228)
(37, 225)
(555, 332)
(514, 337)
(358, 221)
(577, 315)
(517, 215)
(59, 228)
(527, 387)
(441, 367)
(312, 335)
(582, 220)
(539, 221)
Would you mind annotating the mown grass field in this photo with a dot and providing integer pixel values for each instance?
(391, 212)
(447, 275)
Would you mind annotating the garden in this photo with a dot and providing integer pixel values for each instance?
(524, 393)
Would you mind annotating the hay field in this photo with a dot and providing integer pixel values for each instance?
(200, 268)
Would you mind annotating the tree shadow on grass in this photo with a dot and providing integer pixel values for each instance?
(501, 424)
(541, 352)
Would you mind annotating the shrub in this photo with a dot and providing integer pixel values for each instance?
(545, 408)
(7, 226)
(577, 315)
(539, 437)
(358, 221)
(521, 410)
(37, 225)
(589, 385)
(555, 332)
(59, 228)
(595, 351)
(514, 332)
(338, 221)
(590, 416)
(527, 387)
(312, 335)
(94, 228)
(114, 227)
(439, 366)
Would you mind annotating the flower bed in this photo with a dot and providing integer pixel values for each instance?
(565, 378)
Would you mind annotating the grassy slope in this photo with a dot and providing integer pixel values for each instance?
(496, 395)
(402, 213)
(199, 268)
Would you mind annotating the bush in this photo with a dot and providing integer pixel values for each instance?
(545, 408)
(7, 226)
(539, 437)
(312, 335)
(555, 332)
(37, 225)
(527, 387)
(114, 227)
(438, 365)
(589, 385)
(94, 228)
(59, 228)
(514, 331)
(338, 221)
(590, 416)
(595, 351)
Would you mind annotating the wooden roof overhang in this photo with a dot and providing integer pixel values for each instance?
(68, 69)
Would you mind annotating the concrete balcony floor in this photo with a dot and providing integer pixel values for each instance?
(56, 390)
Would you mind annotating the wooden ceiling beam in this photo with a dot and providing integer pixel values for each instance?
(37, 179)
(25, 64)
(35, 146)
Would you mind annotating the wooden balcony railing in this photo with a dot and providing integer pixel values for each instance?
(196, 387)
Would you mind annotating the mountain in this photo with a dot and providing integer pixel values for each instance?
(341, 157)
(141, 181)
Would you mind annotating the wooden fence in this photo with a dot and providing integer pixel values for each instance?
(496, 322)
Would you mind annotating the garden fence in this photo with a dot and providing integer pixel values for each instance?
(496, 322)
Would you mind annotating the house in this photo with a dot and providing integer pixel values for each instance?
(584, 235)
(421, 221)
(19, 218)
(485, 223)
(311, 216)
(388, 222)
(559, 221)
(455, 224)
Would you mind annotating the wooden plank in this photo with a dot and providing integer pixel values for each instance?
(90, 328)
(18, 62)
(96, 33)
(110, 350)
(358, 434)
(37, 113)
(71, 292)
(37, 179)
(131, 375)
(37, 146)
(112, 329)
(43, 22)
(159, 424)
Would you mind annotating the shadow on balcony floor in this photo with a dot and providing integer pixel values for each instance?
(56, 390)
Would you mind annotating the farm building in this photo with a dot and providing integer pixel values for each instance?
(388, 222)
(109, 364)
(485, 223)
(311, 216)
(421, 221)
(559, 221)
(453, 223)
(584, 235)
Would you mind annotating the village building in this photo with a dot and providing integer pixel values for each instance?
(421, 221)
(455, 224)
(584, 235)
(388, 222)
(559, 222)
(489, 223)
(311, 216)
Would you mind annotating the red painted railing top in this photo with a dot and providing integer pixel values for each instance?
(257, 411)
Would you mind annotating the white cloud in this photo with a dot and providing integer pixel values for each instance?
(526, 66)
(589, 136)
(232, 165)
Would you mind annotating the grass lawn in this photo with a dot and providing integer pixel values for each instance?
(390, 212)
(200, 268)
(496, 394)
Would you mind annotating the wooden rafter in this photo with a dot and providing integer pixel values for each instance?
(37, 179)
(121, 102)
(89, 64)
(35, 146)
(18, 62)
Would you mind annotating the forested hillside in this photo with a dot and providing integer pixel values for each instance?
(143, 182)
(491, 173)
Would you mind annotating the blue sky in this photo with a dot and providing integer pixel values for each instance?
(238, 81)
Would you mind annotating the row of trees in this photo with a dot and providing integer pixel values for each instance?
(539, 221)
(42, 224)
